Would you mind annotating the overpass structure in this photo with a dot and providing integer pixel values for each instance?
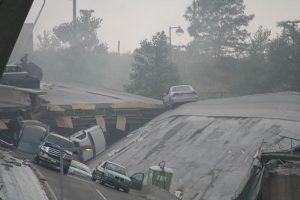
(68, 108)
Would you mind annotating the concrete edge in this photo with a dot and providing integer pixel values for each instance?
(49, 192)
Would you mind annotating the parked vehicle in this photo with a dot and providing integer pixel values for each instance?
(79, 169)
(50, 150)
(180, 94)
(93, 137)
(115, 175)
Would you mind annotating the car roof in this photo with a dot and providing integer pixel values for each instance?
(181, 86)
(178, 86)
(115, 164)
(60, 136)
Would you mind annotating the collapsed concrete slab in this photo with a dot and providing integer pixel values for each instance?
(210, 144)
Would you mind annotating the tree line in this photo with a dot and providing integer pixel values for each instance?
(223, 58)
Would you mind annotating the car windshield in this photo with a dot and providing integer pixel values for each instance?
(59, 141)
(116, 168)
(181, 88)
(31, 138)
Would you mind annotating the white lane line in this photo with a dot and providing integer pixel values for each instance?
(103, 197)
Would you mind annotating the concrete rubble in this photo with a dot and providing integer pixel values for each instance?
(18, 181)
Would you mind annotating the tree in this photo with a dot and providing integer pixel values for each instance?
(152, 72)
(48, 42)
(284, 57)
(71, 50)
(254, 72)
(218, 26)
(81, 35)
(259, 43)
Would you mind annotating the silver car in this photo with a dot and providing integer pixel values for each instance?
(115, 175)
(180, 94)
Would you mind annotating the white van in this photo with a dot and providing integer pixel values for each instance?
(93, 137)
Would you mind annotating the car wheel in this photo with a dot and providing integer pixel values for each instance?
(101, 181)
(126, 190)
(117, 188)
(66, 169)
(171, 105)
(165, 104)
(37, 160)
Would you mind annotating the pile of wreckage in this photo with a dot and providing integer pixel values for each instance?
(274, 175)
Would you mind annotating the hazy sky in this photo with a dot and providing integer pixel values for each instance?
(131, 21)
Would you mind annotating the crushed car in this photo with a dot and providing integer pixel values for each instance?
(26, 138)
(93, 137)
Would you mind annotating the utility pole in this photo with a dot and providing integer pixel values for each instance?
(194, 10)
(74, 12)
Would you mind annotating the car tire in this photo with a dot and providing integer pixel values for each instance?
(171, 106)
(117, 188)
(126, 190)
(165, 104)
(37, 160)
(101, 181)
(66, 169)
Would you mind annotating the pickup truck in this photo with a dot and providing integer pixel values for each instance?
(50, 149)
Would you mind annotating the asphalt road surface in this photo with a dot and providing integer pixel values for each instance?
(76, 188)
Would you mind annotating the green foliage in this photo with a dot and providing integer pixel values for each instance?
(259, 44)
(284, 57)
(254, 70)
(152, 72)
(73, 53)
(48, 42)
(218, 26)
(83, 34)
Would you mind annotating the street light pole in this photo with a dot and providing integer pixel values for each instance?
(61, 184)
(170, 37)
(74, 12)
(179, 31)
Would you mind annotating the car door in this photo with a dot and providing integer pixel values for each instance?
(137, 181)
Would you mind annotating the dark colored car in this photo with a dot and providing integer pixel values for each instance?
(180, 94)
(50, 149)
(115, 175)
(27, 138)
(31, 139)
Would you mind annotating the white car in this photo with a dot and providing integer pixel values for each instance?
(180, 94)
(79, 169)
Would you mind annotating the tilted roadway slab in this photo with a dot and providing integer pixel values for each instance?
(66, 94)
(83, 105)
(210, 144)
